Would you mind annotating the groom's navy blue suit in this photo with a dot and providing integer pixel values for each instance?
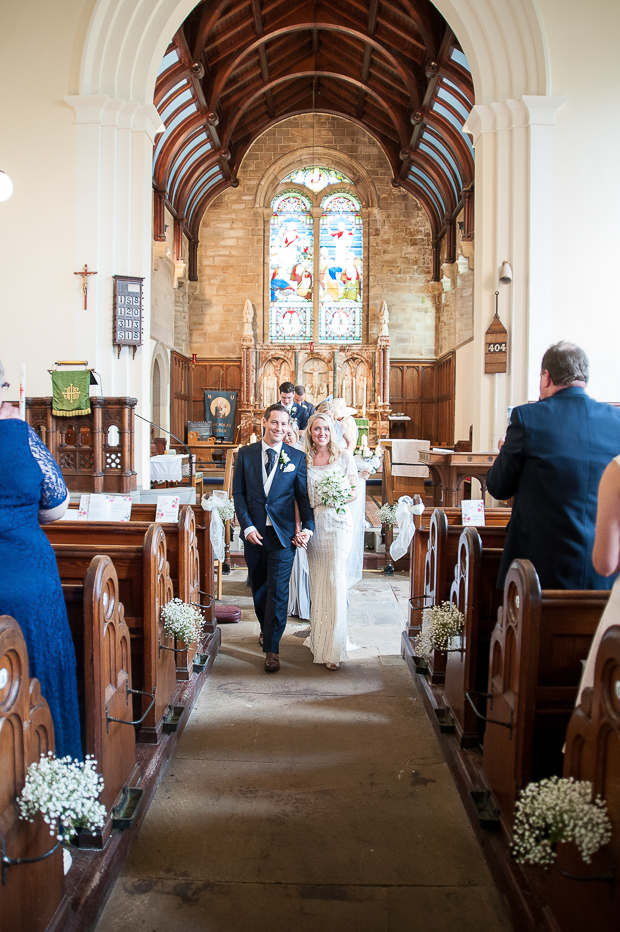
(270, 563)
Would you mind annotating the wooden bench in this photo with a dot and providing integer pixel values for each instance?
(103, 654)
(31, 895)
(593, 753)
(473, 590)
(433, 556)
(145, 587)
(534, 671)
(494, 517)
(182, 554)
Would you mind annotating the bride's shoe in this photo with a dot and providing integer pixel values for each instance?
(332, 666)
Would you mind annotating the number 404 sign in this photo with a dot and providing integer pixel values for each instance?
(496, 347)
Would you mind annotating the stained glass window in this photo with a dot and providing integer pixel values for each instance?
(317, 178)
(291, 268)
(340, 269)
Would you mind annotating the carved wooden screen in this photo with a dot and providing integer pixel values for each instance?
(445, 369)
(424, 391)
(213, 374)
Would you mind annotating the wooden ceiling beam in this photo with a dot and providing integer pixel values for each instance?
(422, 22)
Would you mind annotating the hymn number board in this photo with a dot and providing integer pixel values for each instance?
(127, 312)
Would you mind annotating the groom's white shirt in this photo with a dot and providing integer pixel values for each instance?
(267, 479)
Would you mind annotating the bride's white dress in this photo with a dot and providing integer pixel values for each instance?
(328, 551)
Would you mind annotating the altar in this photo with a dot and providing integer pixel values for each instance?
(357, 372)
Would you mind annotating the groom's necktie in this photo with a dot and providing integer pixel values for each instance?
(271, 460)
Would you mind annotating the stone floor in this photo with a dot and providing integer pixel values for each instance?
(308, 800)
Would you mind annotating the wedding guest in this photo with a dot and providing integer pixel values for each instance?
(33, 492)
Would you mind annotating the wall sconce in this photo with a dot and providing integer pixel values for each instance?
(6, 186)
(505, 275)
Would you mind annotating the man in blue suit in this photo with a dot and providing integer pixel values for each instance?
(269, 478)
(300, 399)
(297, 411)
(552, 461)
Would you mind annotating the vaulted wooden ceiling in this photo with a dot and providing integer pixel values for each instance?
(236, 67)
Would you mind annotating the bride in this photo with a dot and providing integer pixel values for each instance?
(329, 546)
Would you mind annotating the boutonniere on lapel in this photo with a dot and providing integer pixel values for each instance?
(285, 463)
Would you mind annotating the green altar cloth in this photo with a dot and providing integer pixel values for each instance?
(70, 392)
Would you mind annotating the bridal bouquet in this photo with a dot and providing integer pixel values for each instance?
(555, 810)
(335, 490)
(366, 459)
(66, 792)
(181, 620)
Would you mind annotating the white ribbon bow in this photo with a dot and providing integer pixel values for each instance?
(214, 503)
(405, 510)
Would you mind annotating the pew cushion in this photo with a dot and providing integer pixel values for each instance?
(227, 614)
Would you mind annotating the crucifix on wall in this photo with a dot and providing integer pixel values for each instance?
(84, 275)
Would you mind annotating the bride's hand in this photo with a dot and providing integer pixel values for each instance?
(365, 474)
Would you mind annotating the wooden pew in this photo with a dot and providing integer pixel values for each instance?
(436, 551)
(103, 654)
(473, 591)
(494, 517)
(182, 551)
(145, 586)
(31, 895)
(534, 671)
(593, 753)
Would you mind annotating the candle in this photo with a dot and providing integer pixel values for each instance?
(253, 437)
(364, 399)
(355, 393)
(275, 389)
(22, 392)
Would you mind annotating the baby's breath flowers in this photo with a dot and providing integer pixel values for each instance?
(66, 791)
(228, 511)
(558, 809)
(181, 620)
(336, 491)
(387, 514)
(440, 624)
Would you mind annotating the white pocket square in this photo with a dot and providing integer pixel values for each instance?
(289, 468)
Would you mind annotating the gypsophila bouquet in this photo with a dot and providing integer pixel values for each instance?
(555, 810)
(228, 511)
(387, 514)
(440, 624)
(335, 490)
(182, 620)
(66, 791)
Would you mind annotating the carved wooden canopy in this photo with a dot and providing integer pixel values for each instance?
(236, 67)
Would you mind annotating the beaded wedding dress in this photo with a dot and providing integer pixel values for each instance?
(328, 551)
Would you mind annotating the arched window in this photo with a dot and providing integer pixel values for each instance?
(291, 268)
(341, 269)
(299, 310)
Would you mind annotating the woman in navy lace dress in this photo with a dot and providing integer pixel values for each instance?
(33, 492)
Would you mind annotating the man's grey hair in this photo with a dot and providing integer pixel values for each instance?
(565, 363)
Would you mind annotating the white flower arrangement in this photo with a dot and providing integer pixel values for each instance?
(66, 791)
(368, 460)
(336, 490)
(228, 511)
(558, 809)
(387, 515)
(285, 461)
(440, 624)
(181, 620)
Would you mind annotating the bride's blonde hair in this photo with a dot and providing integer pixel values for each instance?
(309, 444)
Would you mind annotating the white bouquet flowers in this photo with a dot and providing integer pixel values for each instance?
(387, 514)
(181, 620)
(228, 511)
(366, 459)
(336, 490)
(440, 624)
(556, 810)
(66, 792)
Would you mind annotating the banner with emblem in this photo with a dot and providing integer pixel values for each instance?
(221, 409)
(70, 392)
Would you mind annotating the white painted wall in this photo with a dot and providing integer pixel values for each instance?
(464, 396)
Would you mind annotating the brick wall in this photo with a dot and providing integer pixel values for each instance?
(231, 256)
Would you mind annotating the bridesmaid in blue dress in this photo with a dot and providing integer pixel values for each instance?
(33, 492)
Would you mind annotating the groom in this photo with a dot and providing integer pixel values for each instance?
(269, 478)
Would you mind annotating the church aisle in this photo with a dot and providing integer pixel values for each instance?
(309, 800)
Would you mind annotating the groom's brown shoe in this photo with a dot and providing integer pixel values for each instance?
(272, 663)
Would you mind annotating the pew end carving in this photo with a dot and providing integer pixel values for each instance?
(188, 587)
(536, 649)
(158, 647)
(31, 895)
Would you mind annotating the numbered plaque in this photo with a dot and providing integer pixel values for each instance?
(496, 347)
(127, 312)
